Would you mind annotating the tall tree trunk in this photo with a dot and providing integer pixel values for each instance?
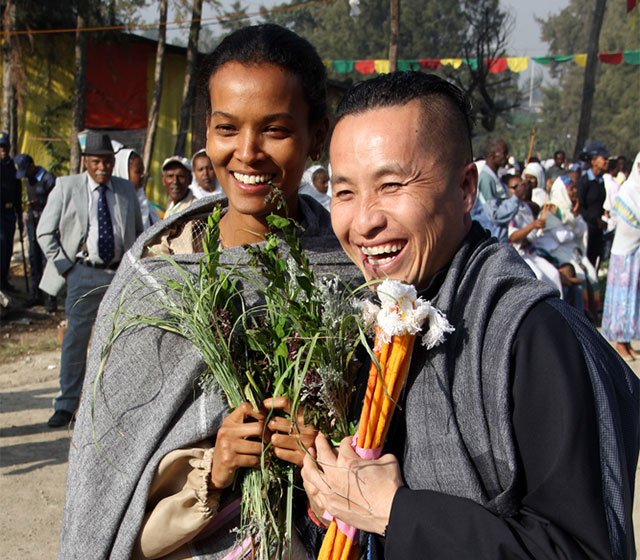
(80, 88)
(8, 87)
(394, 34)
(189, 79)
(152, 123)
(589, 85)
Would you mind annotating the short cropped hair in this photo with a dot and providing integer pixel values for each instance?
(491, 145)
(437, 96)
(271, 44)
(317, 172)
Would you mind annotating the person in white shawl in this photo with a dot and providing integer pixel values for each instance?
(621, 315)
(307, 187)
(204, 181)
(129, 166)
(534, 173)
(565, 235)
(523, 233)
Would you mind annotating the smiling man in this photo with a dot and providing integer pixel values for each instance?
(176, 178)
(498, 446)
(89, 221)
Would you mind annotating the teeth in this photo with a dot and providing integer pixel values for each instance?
(384, 260)
(381, 249)
(251, 179)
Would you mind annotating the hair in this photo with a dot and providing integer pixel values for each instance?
(557, 153)
(438, 97)
(508, 176)
(491, 145)
(272, 44)
(199, 155)
(317, 172)
(134, 155)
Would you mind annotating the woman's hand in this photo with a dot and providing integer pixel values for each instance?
(289, 439)
(234, 448)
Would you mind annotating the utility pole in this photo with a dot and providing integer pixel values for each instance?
(189, 79)
(79, 89)
(589, 85)
(9, 60)
(154, 111)
(394, 34)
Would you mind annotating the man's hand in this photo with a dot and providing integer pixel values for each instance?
(289, 439)
(237, 444)
(357, 491)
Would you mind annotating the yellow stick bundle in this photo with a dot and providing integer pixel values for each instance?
(402, 312)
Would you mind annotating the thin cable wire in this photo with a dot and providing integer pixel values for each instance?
(130, 26)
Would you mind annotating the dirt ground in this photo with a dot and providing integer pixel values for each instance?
(33, 457)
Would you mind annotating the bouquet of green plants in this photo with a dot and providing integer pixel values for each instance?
(298, 342)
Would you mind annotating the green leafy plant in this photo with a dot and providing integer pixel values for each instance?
(299, 341)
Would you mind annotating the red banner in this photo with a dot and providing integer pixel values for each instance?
(117, 85)
(365, 66)
(430, 63)
(496, 65)
(611, 58)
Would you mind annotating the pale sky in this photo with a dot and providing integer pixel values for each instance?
(525, 37)
(524, 41)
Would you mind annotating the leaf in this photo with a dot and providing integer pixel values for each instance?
(278, 222)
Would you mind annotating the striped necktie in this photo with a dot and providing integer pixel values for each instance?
(106, 244)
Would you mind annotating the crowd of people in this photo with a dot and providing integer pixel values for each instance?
(562, 218)
(501, 447)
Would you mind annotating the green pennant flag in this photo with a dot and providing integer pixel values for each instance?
(631, 57)
(407, 65)
(562, 58)
(471, 62)
(543, 59)
(343, 66)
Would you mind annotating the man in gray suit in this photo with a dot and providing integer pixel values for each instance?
(89, 222)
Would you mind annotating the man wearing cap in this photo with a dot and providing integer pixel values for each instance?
(89, 222)
(592, 194)
(204, 181)
(11, 211)
(39, 183)
(176, 178)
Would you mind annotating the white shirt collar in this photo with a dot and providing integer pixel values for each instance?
(93, 185)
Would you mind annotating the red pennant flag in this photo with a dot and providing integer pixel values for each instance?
(631, 4)
(429, 63)
(496, 65)
(611, 58)
(365, 66)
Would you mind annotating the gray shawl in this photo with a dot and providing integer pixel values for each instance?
(459, 437)
(149, 403)
(460, 391)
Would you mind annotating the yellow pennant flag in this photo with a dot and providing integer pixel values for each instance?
(455, 62)
(580, 59)
(382, 66)
(517, 63)
(328, 64)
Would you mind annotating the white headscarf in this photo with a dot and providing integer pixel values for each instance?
(196, 189)
(627, 202)
(306, 187)
(121, 169)
(560, 198)
(535, 169)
